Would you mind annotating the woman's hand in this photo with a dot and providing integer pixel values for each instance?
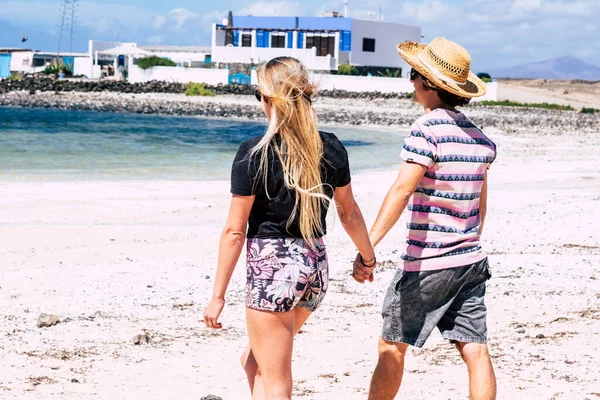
(212, 313)
(362, 272)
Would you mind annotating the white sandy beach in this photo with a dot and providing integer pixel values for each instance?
(119, 258)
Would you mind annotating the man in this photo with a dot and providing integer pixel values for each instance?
(443, 185)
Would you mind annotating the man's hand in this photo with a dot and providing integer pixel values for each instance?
(362, 272)
(212, 313)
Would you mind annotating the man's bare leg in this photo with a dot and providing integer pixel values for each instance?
(482, 380)
(388, 373)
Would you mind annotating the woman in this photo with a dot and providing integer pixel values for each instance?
(282, 184)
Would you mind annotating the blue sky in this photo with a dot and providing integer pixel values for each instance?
(497, 33)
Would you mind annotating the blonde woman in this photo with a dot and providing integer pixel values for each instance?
(282, 184)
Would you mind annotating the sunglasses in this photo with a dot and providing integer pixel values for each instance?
(414, 74)
(258, 95)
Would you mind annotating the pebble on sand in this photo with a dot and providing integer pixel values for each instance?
(141, 338)
(45, 320)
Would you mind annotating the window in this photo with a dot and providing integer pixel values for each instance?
(369, 45)
(277, 41)
(39, 62)
(246, 40)
(324, 44)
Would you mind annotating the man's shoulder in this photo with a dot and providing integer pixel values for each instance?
(439, 118)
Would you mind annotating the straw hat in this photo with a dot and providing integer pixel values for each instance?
(445, 64)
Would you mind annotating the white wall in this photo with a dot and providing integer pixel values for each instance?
(387, 36)
(178, 74)
(181, 56)
(363, 83)
(308, 57)
(21, 61)
(83, 66)
(491, 94)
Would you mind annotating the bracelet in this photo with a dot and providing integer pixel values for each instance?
(362, 260)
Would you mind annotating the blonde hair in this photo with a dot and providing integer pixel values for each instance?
(284, 81)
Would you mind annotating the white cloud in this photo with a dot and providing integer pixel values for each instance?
(272, 8)
(159, 22)
(526, 5)
(180, 16)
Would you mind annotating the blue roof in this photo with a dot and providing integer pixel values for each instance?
(285, 23)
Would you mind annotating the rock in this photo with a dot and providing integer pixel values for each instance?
(521, 331)
(211, 397)
(142, 338)
(45, 320)
(540, 336)
(74, 380)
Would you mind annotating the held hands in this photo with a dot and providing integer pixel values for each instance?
(212, 313)
(363, 271)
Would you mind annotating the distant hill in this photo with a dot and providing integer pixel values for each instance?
(556, 68)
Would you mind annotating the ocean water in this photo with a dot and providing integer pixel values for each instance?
(52, 144)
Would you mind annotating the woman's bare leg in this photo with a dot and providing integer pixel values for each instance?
(250, 365)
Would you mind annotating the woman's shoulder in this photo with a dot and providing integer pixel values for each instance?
(253, 141)
(249, 144)
(331, 142)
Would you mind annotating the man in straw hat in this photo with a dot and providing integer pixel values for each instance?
(443, 185)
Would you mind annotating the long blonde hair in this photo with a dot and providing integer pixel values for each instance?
(284, 81)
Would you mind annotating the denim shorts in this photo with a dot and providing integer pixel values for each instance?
(451, 299)
(285, 273)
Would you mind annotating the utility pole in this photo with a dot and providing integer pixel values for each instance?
(63, 11)
(73, 5)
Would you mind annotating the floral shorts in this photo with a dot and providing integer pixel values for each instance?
(284, 273)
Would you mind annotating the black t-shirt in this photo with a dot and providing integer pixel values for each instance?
(269, 215)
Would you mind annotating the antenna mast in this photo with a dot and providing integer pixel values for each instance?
(73, 9)
(345, 8)
(62, 27)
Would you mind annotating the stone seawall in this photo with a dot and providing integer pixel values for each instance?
(371, 112)
(35, 85)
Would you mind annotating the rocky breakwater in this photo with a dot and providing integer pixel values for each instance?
(34, 85)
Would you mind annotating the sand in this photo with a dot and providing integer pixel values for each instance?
(577, 94)
(118, 258)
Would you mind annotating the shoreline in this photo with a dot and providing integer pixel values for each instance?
(376, 113)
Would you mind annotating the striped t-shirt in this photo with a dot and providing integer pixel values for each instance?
(444, 219)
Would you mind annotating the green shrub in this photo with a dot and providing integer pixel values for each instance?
(197, 89)
(15, 76)
(509, 103)
(55, 69)
(390, 73)
(585, 110)
(124, 73)
(486, 80)
(51, 69)
(347, 69)
(154, 61)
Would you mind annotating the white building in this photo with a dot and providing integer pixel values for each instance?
(321, 43)
(29, 61)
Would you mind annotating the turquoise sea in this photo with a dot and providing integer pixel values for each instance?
(52, 144)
